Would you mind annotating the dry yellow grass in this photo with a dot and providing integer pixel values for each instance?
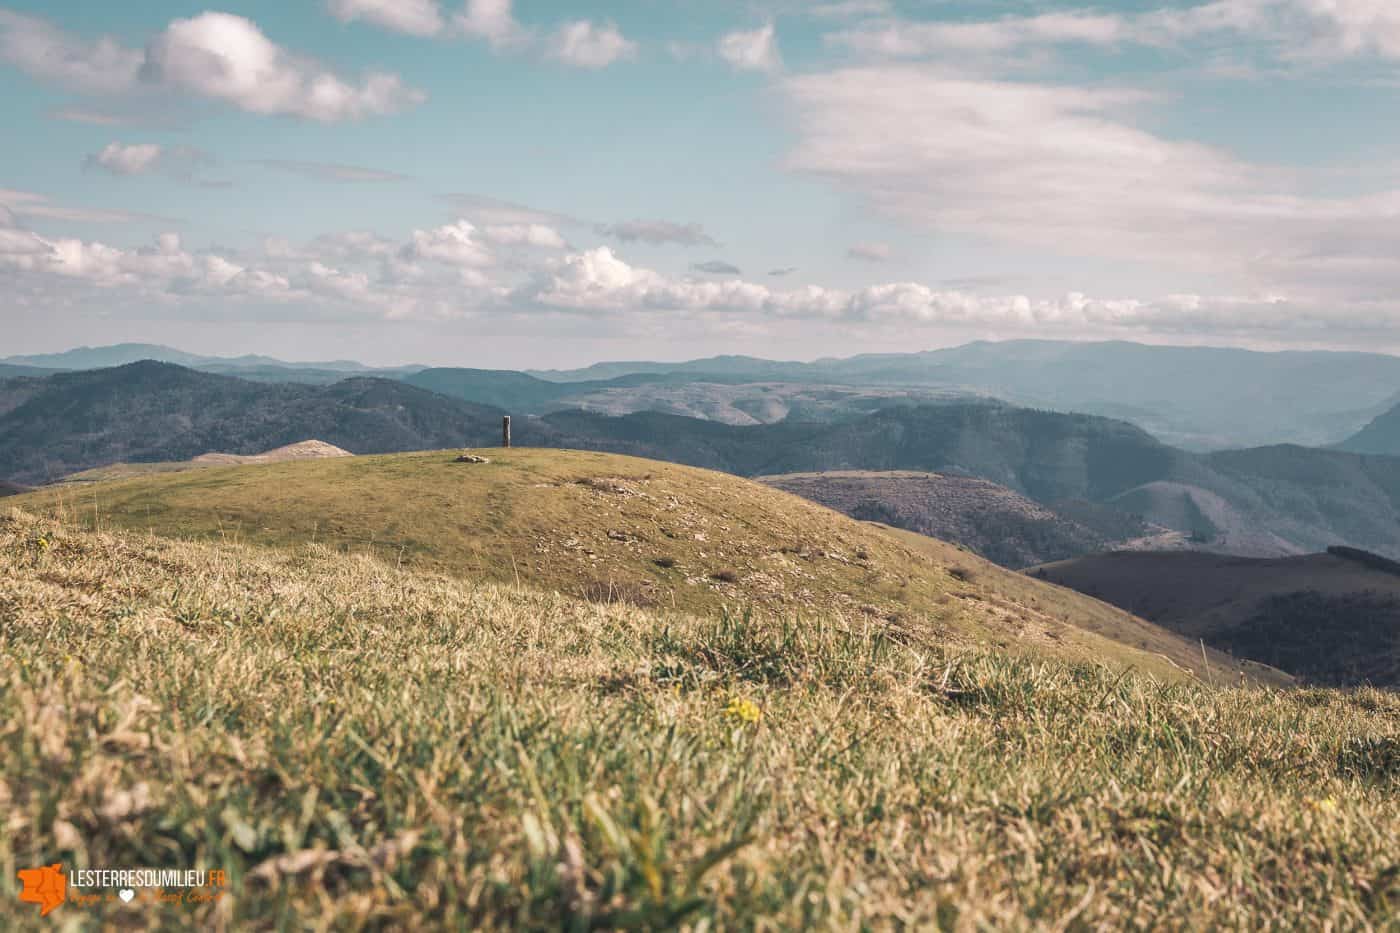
(624, 529)
(362, 746)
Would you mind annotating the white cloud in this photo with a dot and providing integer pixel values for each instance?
(1063, 169)
(412, 17)
(751, 51)
(492, 20)
(657, 232)
(716, 267)
(1297, 29)
(902, 39)
(121, 159)
(89, 117)
(31, 204)
(869, 252)
(42, 50)
(586, 45)
(539, 235)
(455, 244)
(447, 272)
(147, 158)
(214, 55)
(488, 210)
(226, 57)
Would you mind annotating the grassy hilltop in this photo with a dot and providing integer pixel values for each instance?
(619, 529)
(361, 745)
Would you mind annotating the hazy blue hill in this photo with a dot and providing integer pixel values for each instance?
(1380, 436)
(251, 366)
(151, 411)
(503, 388)
(1261, 502)
(13, 371)
(104, 357)
(1045, 455)
(1197, 397)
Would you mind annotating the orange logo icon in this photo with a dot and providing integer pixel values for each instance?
(46, 886)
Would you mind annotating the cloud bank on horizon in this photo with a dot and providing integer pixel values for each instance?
(1224, 171)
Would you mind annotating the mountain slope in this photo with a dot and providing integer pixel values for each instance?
(1331, 618)
(159, 412)
(354, 741)
(1381, 435)
(1045, 455)
(607, 527)
(1259, 502)
(991, 520)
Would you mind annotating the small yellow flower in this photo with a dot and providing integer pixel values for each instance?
(1321, 805)
(743, 710)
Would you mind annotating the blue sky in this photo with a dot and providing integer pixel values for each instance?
(543, 184)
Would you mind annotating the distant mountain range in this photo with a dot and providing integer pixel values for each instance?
(123, 353)
(1260, 502)
(151, 411)
(1196, 398)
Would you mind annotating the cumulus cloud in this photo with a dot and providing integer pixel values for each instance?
(869, 252)
(716, 267)
(120, 159)
(756, 50)
(449, 272)
(457, 244)
(331, 171)
(492, 20)
(584, 44)
(218, 56)
(226, 57)
(599, 281)
(657, 232)
(147, 158)
(412, 17)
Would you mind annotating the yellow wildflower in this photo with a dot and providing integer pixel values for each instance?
(743, 710)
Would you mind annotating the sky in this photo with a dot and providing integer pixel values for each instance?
(543, 184)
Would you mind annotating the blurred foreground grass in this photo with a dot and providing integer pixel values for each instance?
(366, 747)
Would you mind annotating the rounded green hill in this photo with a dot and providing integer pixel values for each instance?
(621, 529)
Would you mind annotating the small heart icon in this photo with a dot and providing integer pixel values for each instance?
(126, 894)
